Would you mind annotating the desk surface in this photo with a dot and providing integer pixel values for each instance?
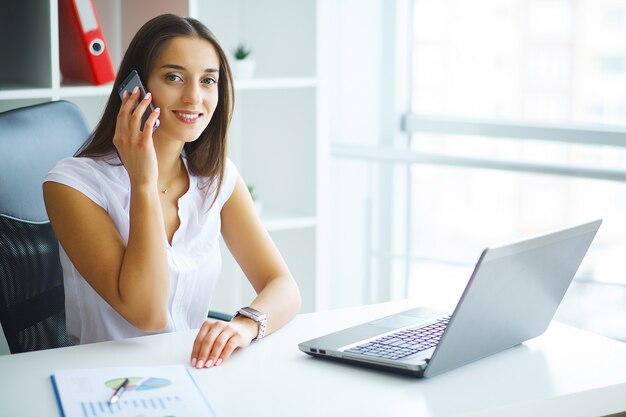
(564, 372)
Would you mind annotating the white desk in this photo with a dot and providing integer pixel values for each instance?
(565, 372)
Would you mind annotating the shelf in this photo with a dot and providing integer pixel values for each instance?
(276, 221)
(85, 90)
(16, 92)
(275, 123)
(273, 83)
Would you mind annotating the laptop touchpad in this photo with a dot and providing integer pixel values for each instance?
(396, 321)
(408, 317)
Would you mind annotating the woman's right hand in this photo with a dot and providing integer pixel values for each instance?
(134, 146)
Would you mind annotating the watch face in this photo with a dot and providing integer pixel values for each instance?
(257, 316)
(252, 312)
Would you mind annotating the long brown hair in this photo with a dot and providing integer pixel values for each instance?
(206, 156)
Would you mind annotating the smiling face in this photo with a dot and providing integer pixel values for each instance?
(183, 83)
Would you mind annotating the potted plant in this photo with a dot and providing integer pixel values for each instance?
(243, 64)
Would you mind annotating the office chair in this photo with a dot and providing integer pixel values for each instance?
(219, 315)
(32, 302)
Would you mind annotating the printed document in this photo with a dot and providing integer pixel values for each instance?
(152, 391)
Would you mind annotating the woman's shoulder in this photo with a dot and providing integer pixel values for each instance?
(79, 165)
(90, 171)
(228, 183)
(209, 184)
(101, 163)
(99, 179)
(230, 170)
(229, 167)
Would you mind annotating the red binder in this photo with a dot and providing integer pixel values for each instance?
(83, 51)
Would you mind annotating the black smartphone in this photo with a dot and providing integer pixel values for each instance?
(129, 85)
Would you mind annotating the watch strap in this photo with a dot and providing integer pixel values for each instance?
(257, 316)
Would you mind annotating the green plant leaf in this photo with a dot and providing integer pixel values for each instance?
(241, 51)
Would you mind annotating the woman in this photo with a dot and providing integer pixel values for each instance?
(138, 212)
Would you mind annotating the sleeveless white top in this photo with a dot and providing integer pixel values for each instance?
(194, 256)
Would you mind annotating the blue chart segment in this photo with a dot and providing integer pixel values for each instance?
(129, 407)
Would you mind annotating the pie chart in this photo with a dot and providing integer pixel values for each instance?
(139, 383)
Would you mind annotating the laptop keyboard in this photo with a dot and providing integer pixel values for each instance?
(404, 342)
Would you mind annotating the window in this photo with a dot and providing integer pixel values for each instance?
(531, 60)
(515, 125)
(546, 63)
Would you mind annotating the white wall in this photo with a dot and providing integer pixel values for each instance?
(360, 60)
(353, 60)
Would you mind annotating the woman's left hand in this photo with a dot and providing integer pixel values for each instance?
(216, 341)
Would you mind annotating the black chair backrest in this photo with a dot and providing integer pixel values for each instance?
(32, 303)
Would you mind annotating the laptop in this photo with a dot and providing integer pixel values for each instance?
(511, 297)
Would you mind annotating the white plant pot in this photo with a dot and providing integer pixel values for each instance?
(243, 69)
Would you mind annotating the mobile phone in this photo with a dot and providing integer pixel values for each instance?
(129, 85)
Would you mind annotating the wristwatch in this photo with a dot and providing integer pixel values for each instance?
(255, 315)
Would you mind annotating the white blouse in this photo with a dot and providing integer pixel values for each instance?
(193, 257)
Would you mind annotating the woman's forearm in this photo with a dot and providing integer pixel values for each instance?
(144, 273)
(279, 300)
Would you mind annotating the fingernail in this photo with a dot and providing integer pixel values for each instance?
(135, 90)
(147, 96)
(157, 110)
(125, 94)
(209, 363)
(193, 361)
(218, 362)
(200, 364)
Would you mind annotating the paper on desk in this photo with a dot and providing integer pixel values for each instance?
(154, 391)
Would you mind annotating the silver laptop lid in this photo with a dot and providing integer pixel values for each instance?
(512, 296)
